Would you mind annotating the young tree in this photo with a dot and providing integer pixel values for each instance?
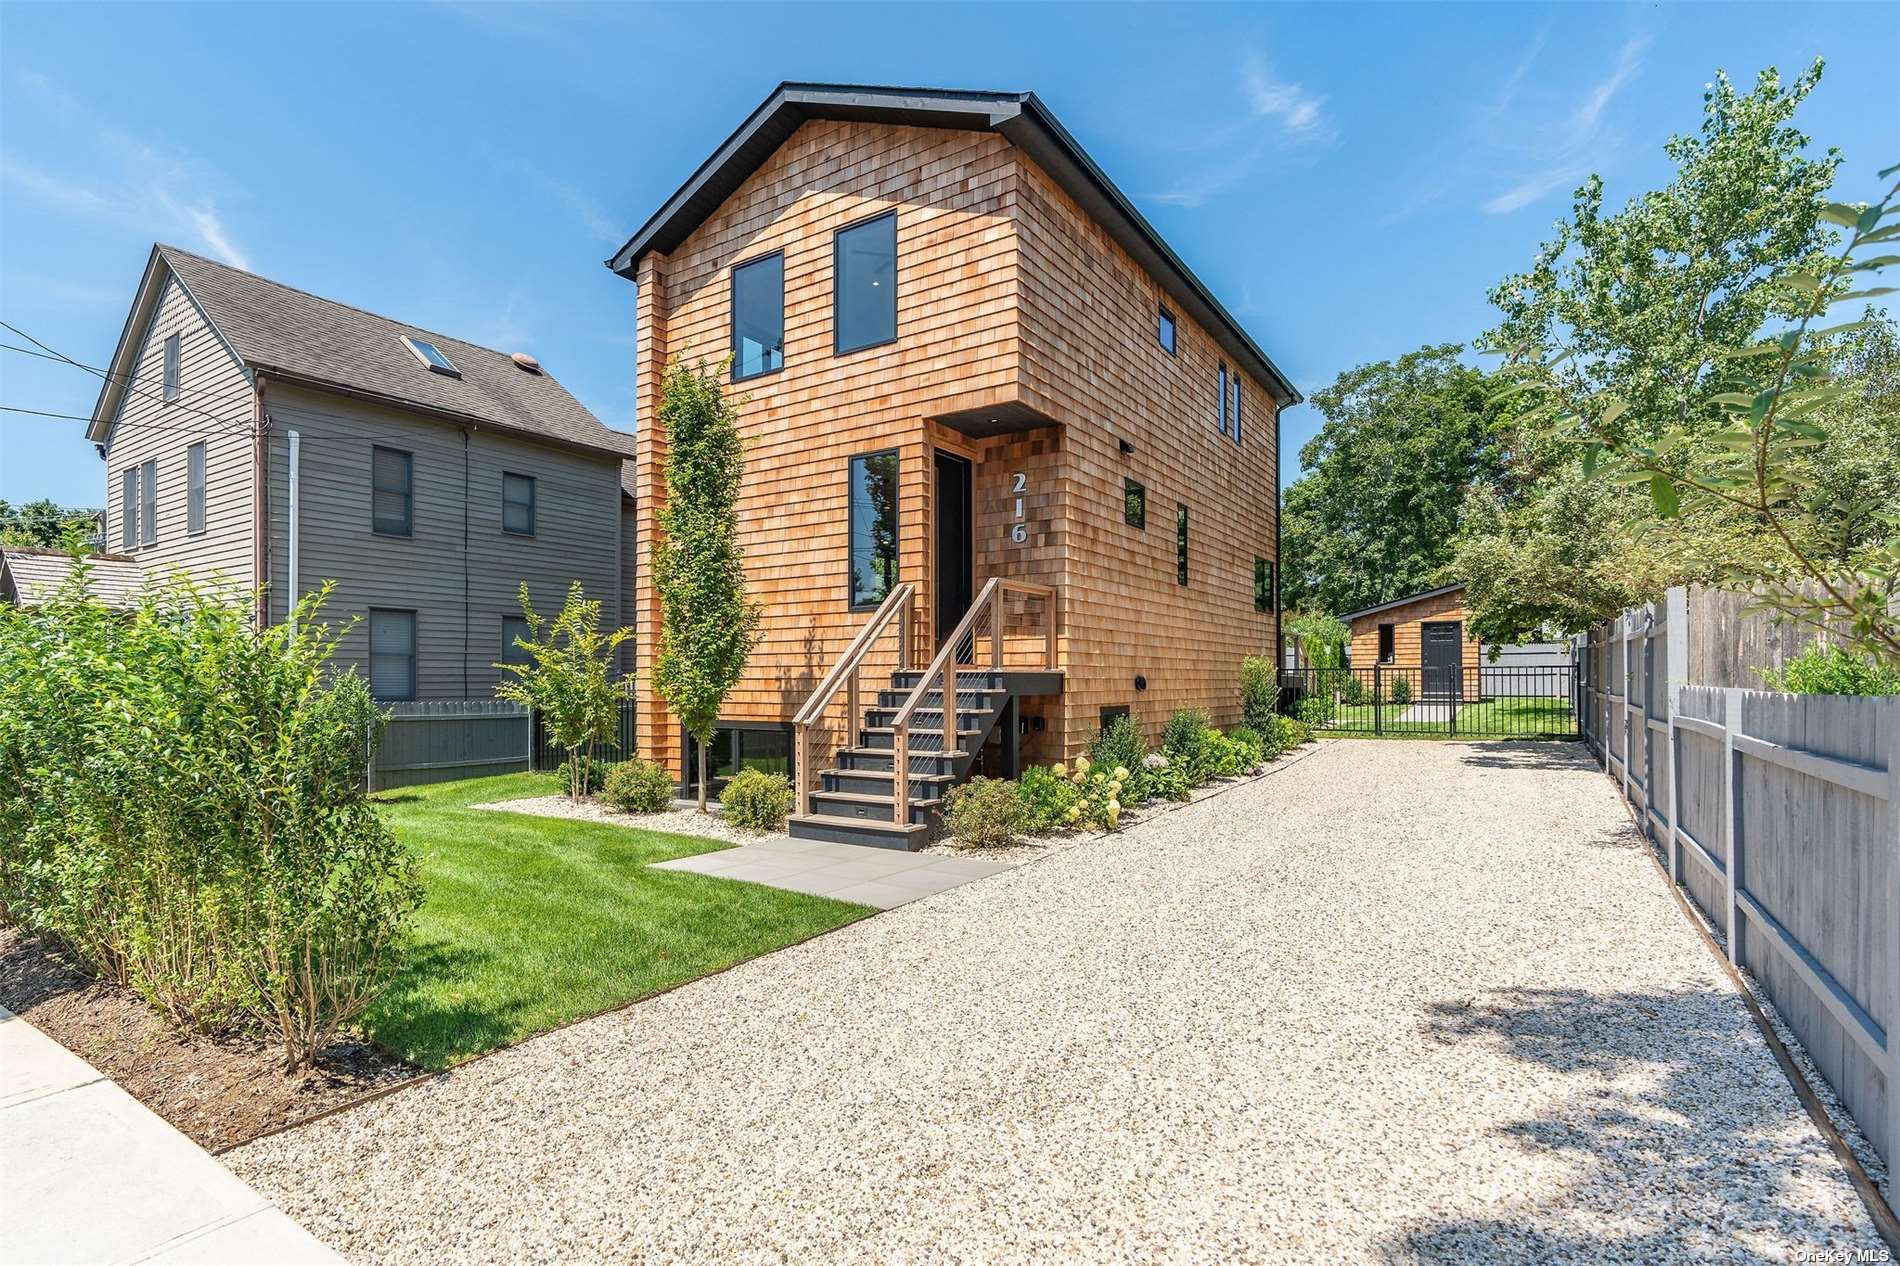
(569, 679)
(708, 625)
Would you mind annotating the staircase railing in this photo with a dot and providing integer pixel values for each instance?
(945, 667)
(844, 676)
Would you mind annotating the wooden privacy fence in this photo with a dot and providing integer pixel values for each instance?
(440, 740)
(1779, 816)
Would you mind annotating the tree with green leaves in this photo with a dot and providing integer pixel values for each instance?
(46, 524)
(568, 678)
(1375, 514)
(708, 624)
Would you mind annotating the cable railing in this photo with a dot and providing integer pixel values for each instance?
(844, 675)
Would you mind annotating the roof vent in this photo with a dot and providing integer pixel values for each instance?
(527, 362)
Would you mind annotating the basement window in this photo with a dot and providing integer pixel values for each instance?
(431, 355)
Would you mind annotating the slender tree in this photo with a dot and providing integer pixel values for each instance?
(568, 678)
(708, 625)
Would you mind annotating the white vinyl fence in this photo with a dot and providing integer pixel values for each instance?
(1779, 816)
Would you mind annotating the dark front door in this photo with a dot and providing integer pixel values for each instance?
(955, 582)
(1444, 656)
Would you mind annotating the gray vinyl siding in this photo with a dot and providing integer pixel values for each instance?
(149, 429)
(629, 572)
(577, 511)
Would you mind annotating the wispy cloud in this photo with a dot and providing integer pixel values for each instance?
(1281, 121)
(1300, 114)
(581, 204)
(1561, 152)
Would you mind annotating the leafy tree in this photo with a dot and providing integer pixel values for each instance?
(708, 626)
(1375, 514)
(569, 679)
(1321, 639)
(45, 524)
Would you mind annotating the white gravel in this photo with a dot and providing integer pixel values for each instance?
(711, 825)
(1413, 1001)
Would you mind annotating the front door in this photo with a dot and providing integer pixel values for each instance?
(1443, 658)
(955, 582)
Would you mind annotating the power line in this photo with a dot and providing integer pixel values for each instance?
(111, 377)
(41, 413)
(130, 378)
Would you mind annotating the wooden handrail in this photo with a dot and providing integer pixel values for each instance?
(844, 674)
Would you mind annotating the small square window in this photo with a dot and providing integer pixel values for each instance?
(517, 504)
(172, 372)
(1113, 714)
(1386, 652)
(431, 355)
(1134, 504)
(1164, 330)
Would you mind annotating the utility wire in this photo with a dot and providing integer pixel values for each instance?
(121, 379)
(129, 378)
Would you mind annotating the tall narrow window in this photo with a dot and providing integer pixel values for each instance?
(195, 487)
(873, 527)
(171, 368)
(517, 504)
(1262, 585)
(1236, 408)
(392, 654)
(1180, 544)
(1386, 653)
(864, 288)
(1223, 397)
(1164, 330)
(392, 492)
(1134, 504)
(148, 503)
(758, 316)
(129, 508)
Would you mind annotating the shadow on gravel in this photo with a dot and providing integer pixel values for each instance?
(1544, 754)
(1677, 1135)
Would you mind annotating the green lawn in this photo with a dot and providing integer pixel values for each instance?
(1489, 718)
(529, 922)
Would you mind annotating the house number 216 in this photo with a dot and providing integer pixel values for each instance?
(1019, 530)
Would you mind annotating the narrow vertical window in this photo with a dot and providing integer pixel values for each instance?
(517, 504)
(148, 503)
(873, 527)
(1180, 544)
(195, 487)
(864, 284)
(1236, 408)
(514, 629)
(1134, 504)
(392, 654)
(171, 368)
(1262, 585)
(1386, 651)
(129, 509)
(758, 317)
(1223, 397)
(1164, 329)
(392, 498)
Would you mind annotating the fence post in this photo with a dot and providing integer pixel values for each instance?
(1731, 834)
(1892, 846)
(1623, 679)
(1675, 672)
(1378, 698)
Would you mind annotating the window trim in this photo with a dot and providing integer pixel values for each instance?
(415, 345)
(533, 497)
(851, 531)
(1388, 652)
(148, 502)
(732, 315)
(1180, 543)
(172, 380)
(1133, 487)
(837, 247)
(1171, 344)
(415, 652)
(197, 485)
(409, 493)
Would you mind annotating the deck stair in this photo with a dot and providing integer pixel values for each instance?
(858, 798)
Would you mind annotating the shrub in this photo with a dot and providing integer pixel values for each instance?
(986, 812)
(1102, 788)
(1249, 747)
(1313, 710)
(639, 786)
(1259, 690)
(1833, 670)
(1353, 692)
(1401, 691)
(1121, 746)
(568, 677)
(1171, 782)
(1047, 797)
(1289, 733)
(591, 778)
(757, 801)
(1184, 738)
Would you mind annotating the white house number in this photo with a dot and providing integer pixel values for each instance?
(1019, 530)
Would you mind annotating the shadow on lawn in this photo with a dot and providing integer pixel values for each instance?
(420, 1018)
(1679, 1130)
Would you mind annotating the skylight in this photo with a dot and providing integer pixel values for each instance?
(429, 354)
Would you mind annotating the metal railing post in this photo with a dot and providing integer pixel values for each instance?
(1378, 698)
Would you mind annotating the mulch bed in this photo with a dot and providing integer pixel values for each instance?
(218, 1091)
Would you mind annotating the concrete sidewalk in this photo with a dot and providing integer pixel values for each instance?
(90, 1175)
(881, 877)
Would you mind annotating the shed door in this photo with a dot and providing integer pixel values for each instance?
(1443, 657)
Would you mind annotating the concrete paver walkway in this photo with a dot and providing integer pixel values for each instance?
(882, 877)
(90, 1175)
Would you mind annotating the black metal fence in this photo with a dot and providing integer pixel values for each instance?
(1537, 702)
(548, 756)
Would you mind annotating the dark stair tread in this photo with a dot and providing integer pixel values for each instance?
(915, 730)
(865, 797)
(909, 835)
(886, 774)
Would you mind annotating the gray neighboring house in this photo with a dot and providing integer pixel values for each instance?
(431, 478)
(29, 575)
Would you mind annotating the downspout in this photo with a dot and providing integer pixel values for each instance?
(260, 507)
(290, 565)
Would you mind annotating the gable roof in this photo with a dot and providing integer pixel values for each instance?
(291, 334)
(1019, 117)
(33, 575)
(1350, 616)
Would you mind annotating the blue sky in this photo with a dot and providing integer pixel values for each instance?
(1350, 179)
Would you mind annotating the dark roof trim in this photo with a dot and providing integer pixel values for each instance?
(1350, 616)
(1020, 117)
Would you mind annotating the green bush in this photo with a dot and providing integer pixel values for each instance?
(1183, 740)
(1171, 781)
(183, 804)
(1121, 746)
(986, 812)
(593, 774)
(1103, 794)
(757, 801)
(1249, 746)
(1313, 710)
(638, 786)
(1047, 798)
(1259, 690)
(1401, 691)
(1288, 734)
(1833, 670)
(1353, 692)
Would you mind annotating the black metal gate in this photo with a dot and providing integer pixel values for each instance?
(1521, 702)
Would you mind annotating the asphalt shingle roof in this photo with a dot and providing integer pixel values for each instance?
(38, 573)
(273, 326)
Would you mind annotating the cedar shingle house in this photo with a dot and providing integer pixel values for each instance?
(259, 436)
(992, 420)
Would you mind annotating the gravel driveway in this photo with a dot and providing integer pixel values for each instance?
(1399, 1001)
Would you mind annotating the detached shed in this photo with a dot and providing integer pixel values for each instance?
(30, 575)
(1421, 637)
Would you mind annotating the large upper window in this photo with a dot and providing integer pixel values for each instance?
(758, 316)
(873, 527)
(195, 487)
(171, 380)
(517, 504)
(1164, 329)
(864, 294)
(148, 503)
(392, 496)
(1180, 544)
(129, 508)
(392, 654)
